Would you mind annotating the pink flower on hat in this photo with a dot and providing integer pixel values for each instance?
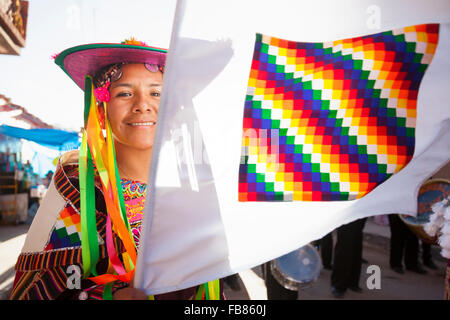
(102, 93)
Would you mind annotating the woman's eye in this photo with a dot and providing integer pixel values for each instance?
(123, 94)
(155, 94)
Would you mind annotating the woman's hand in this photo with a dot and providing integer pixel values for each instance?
(129, 294)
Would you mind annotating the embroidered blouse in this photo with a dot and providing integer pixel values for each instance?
(134, 196)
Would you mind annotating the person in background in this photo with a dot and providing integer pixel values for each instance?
(427, 258)
(404, 246)
(347, 258)
(48, 178)
(325, 246)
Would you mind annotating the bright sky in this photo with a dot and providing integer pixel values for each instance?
(33, 81)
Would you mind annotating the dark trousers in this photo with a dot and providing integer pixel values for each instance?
(404, 244)
(426, 252)
(326, 249)
(348, 255)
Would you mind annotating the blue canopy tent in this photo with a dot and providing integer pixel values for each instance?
(55, 139)
(52, 138)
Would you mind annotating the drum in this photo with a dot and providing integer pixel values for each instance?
(431, 192)
(298, 269)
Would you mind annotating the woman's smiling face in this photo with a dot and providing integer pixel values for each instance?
(133, 106)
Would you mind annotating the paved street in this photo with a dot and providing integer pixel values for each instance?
(409, 286)
(11, 241)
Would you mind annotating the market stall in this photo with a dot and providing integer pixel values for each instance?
(27, 153)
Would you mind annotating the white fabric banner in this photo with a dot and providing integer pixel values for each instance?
(195, 229)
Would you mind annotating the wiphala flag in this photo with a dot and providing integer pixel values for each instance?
(331, 121)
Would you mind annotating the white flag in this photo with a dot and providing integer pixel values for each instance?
(281, 121)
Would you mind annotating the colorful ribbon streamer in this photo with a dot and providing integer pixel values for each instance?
(209, 291)
(95, 150)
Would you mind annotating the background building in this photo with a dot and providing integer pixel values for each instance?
(13, 26)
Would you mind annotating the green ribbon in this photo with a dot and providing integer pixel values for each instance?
(89, 238)
(107, 291)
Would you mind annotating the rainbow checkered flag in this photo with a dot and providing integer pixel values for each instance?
(342, 113)
(281, 122)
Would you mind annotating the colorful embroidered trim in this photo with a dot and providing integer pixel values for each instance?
(65, 187)
(51, 259)
(331, 121)
(39, 285)
(134, 197)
